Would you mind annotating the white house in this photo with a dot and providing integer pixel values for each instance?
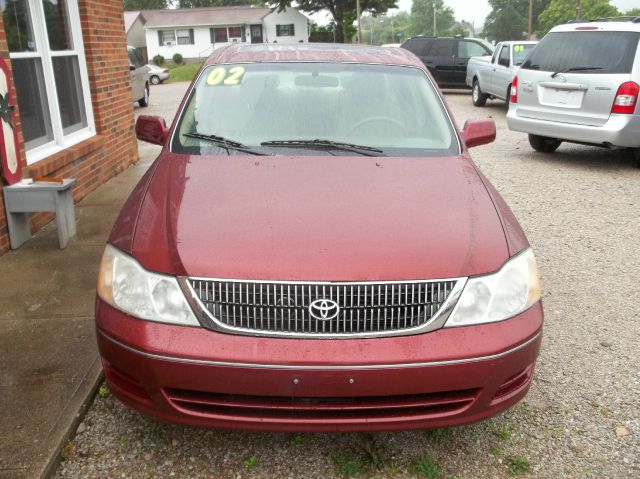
(196, 32)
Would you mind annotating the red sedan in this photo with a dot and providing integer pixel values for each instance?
(314, 249)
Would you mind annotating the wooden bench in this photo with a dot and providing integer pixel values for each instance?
(21, 199)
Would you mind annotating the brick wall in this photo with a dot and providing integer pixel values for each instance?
(114, 148)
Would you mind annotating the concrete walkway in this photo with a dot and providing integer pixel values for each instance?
(49, 364)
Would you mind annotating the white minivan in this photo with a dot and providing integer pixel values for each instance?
(139, 76)
(581, 84)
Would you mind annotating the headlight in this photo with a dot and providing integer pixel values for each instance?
(498, 296)
(127, 286)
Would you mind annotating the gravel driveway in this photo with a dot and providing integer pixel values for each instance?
(581, 212)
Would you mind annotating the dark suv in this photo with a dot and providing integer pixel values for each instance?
(447, 57)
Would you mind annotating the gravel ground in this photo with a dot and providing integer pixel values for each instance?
(581, 418)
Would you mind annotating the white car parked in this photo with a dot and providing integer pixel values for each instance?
(157, 74)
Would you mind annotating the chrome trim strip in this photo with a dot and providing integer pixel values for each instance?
(208, 321)
(203, 362)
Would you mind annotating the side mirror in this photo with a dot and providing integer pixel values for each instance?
(151, 129)
(479, 132)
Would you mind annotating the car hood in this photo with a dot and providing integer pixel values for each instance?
(328, 218)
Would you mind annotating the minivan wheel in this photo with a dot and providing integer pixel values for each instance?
(144, 101)
(479, 98)
(544, 144)
(155, 80)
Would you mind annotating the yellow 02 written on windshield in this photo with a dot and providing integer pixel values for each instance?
(221, 76)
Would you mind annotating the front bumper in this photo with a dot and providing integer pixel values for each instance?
(619, 131)
(200, 377)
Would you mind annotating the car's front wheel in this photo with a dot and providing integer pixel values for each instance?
(144, 101)
(479, 98)
(155, 80)
(544, 144)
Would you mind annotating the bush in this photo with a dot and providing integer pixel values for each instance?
(158, 60)
(177, 58)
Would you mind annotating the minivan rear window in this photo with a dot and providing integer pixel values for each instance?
(600, 52)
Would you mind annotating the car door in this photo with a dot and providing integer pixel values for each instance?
(137, 81)
(440, 57)
(465, 49)
(502, 74)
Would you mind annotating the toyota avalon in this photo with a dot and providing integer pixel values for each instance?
(314, 249)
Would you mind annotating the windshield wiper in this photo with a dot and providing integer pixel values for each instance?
(575, 69)
(326, 144)
(226, 143)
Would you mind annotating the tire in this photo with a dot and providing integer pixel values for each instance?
(544, 144)
(478, 98)
(507, 100)
(155, 80)
(144, 101)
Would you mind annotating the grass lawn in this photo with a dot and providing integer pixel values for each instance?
(182, 72)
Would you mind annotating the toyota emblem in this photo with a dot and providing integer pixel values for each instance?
(324, 309)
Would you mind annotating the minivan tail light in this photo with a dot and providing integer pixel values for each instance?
(514, 90)
(626, 98)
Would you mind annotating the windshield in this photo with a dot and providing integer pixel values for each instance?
(393, 109)
(520, 52)
(601, 52)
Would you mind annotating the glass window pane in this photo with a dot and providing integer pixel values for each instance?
(57, 19)
(220, 34)
(70, 97)
(17, 25)
(467, 49)
(168, 36)
(235, 32)
(32, 99)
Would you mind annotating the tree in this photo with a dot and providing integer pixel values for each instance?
(134, 5)
(560, 11)
(343, 12)
(385, 28)
(422, 18)
(509, 19)
(634, 12)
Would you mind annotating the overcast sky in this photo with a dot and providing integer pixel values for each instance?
(477, 10)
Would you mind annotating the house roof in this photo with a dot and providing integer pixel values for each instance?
(187, 17)
(130, 19)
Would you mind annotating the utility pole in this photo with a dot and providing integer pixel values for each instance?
(435, 30)
(359, 26)
(393, 33)
(579, 10)
(530, 31)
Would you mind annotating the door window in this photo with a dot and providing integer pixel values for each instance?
(441, 48)
(468, 49)
(504, 57)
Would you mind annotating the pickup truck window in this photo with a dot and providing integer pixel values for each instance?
(504, 56)
(520, 52)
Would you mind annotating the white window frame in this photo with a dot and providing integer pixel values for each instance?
(164, 42)
(45, 54)
(188, 37)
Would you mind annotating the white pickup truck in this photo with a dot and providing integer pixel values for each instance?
(491, 77)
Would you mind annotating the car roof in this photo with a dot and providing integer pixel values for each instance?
(313, 52)
(600, 26)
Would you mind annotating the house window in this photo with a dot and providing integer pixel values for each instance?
(185, 37)
(219, 35)
(166, 37)
(285, 30)
(49, 73)
(235, 32)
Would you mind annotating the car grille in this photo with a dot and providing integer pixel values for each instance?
(320, 309)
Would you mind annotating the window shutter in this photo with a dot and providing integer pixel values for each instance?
(291, 30)
(160, 38)
(191, 40)
(212, 36)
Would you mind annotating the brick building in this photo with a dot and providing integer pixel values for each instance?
(71, 85)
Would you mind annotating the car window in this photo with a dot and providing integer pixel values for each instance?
(132, 58)
(606, 52)
(441, 48)
(417, 46)
(520, 52)
(468, 49)
(504, 56)
(393, 108)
